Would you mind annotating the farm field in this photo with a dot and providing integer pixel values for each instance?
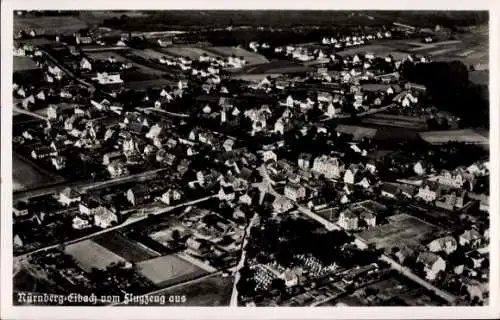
(59, 24)
(401, 229)
(251, 57)
(124, 247)
(149, 54)
(464, 135)
(401, 121)
(275, 67)
(358, 132)
(105, 55)
(149, 84)
(89, 254)
(191, 52)
(24, 63)
(210, 292)
(168, 270)
(26, 176)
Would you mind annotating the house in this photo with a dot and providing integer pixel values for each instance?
(295, 191)
(433, 264)
(282, 204)
(331, 167)
(228, 145)
(428, 191)
(117, 168)
(470, 238)
(450, 199)
(348, 220)
(104, 218)
(419, 168)
(79, 223)
(171, 196)
(226, 193)
(245, 199)
(369, 218)
(304, 161)
(69, 196)
(371, 166)
(350, 174)
(139, 194)
(59, 162)
(28, 101)
(269, 155)
(365, 183)
(108, 78)
(452, 179)
(42, 152)
(85, 64)
(17, 241)
(446, 244)
(88, 205)
(290, 278)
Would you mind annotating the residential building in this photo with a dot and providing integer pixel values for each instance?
(446, 244)
(226, 193)
(348, 220)
(428, 191)
(304, 161)
(470, 238)
(433, 264)
(79, 223)
(295, 191)
(69, 196)
(104, 218)
(282, 204)
(108, 78)
(139, 194)
(171, 196)
(329, 166)
(117, 168)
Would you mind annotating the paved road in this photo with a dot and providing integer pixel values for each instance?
(30, 113)
(126, 223)
(234, 294)
(84, 185)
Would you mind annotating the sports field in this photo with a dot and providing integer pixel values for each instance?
(124, 247)
(401, 230)
(168, 270)
(89, 254)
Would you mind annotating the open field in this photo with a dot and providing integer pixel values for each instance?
(251, 57)
(24, 63)
(275, 67)
(25, 175)
(191, 52)
(105, 55)
(358, 132)
(402, 229)
(49, 24)
(168, 270)
(124, 247)
(211, 292)
(149, 54)
(390, 120)
(89, 254)
(465, 135)
(149, 84)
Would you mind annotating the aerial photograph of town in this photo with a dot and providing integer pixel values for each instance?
(250, 158)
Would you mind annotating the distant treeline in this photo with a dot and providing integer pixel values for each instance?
(450, 89)
(195, 19)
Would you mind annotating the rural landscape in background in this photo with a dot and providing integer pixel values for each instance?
(251, 158)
